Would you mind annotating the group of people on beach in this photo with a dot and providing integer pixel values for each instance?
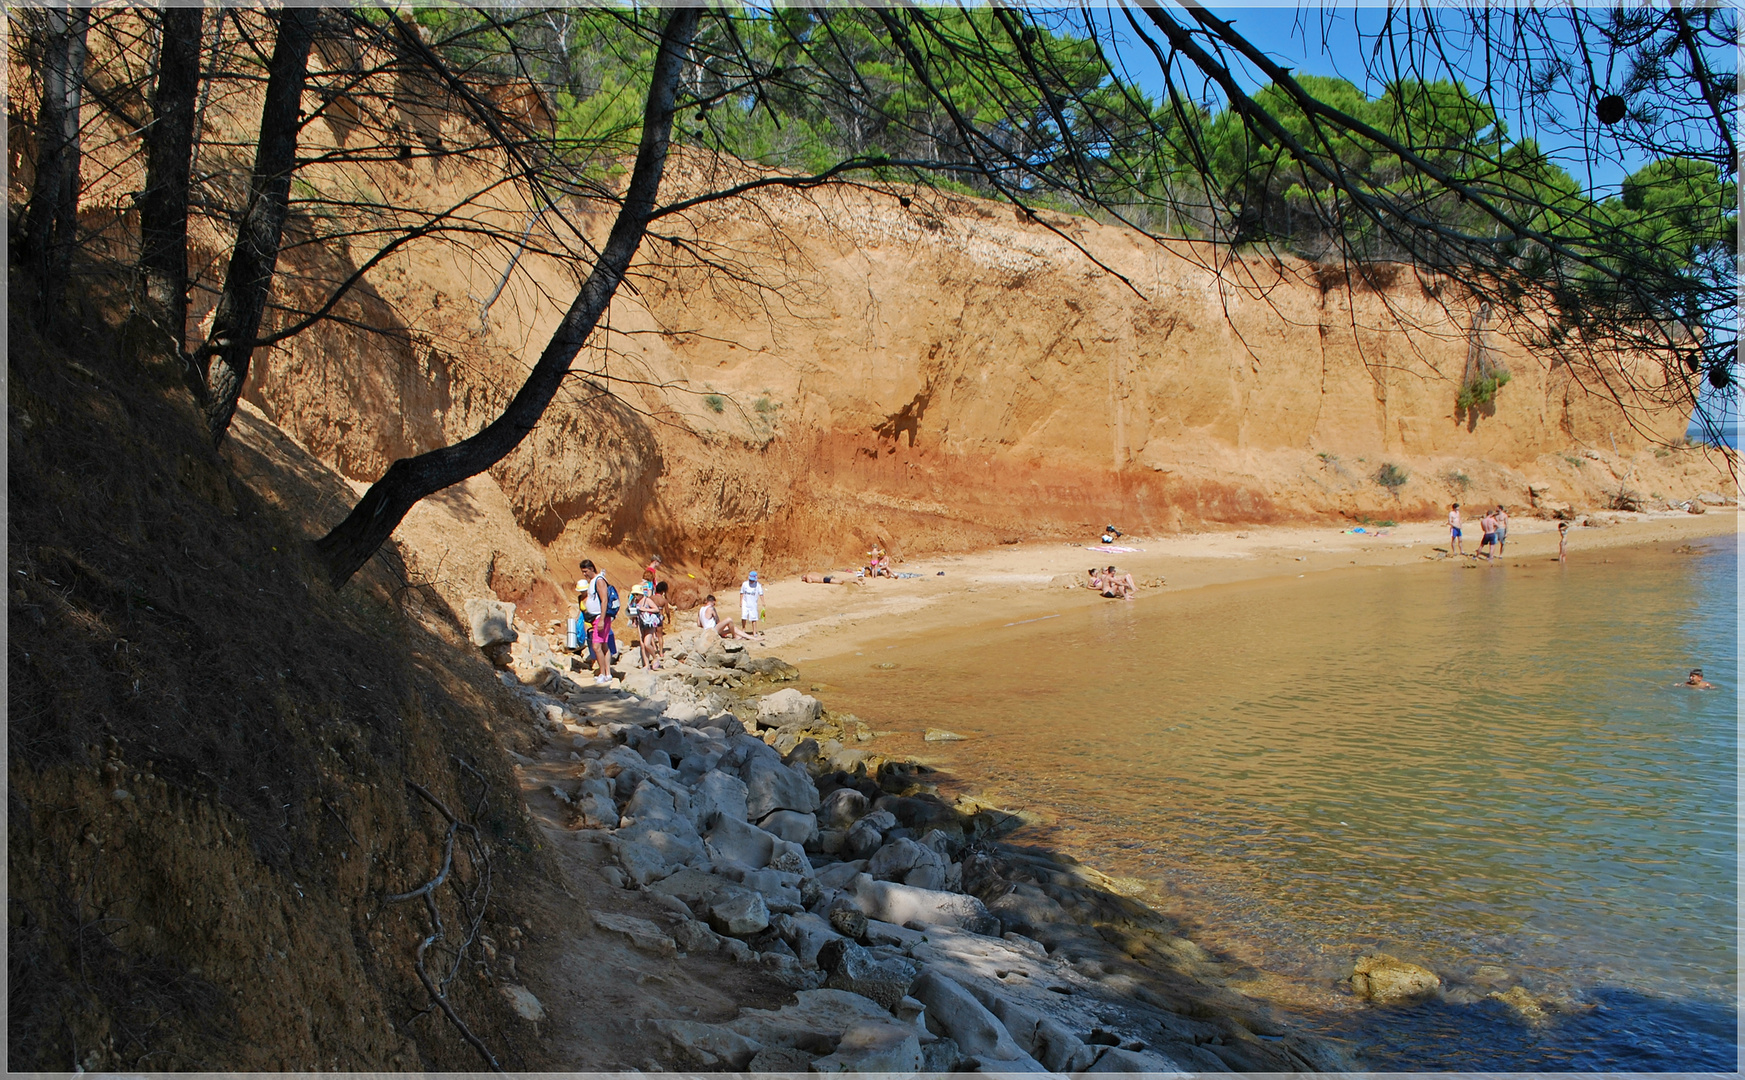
(1494, 532)
(650, 611)
(1108, 583)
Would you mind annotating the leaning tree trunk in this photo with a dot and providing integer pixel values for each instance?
(52, 217)
(252, 261)
(163, 206)
(408, 480)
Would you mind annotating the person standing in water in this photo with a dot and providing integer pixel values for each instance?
(1563, 541)
(1454, 530)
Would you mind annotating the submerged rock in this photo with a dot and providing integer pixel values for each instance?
(1383, 979)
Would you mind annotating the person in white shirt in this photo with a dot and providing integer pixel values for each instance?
(750, 603)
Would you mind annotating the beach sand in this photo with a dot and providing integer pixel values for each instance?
(1021, 582)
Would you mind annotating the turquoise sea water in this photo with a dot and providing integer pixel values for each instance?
(1488, 770)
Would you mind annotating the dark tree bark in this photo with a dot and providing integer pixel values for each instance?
(374, 518)
(252, 261)
(169, 145)
(52, 217)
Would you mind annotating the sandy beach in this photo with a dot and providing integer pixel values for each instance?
(1020, 582)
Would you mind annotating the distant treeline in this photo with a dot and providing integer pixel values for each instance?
(837, 88)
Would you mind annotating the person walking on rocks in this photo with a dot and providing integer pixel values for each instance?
(1502, 517)
(750, 603)
(651, 614)
(1454, 530)
(597, 611)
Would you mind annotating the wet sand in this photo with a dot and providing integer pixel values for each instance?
(1010, 584)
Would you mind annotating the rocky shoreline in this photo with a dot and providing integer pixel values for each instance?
(914, 936)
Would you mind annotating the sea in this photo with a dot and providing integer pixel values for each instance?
(1492, 770)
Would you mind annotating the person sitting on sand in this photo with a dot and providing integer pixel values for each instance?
(709, 620)
(1121, 585)
(1696, 680)
(1094, 580)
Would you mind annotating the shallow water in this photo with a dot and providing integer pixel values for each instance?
(1488, 770)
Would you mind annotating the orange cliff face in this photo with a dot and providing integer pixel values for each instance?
(943, 375)
(949, 376)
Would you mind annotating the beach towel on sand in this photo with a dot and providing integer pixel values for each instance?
(1112, 549)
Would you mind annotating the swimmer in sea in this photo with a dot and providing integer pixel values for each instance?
(1696, 680)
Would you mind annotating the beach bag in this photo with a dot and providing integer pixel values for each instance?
(611, 601)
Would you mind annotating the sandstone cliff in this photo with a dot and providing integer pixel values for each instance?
(794, 376)
(945, 375)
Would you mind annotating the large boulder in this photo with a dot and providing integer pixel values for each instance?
(1114, 1059)
(874, 1048)
(652, 849)
(792, 826)
(736, 843)
(805, 933)
(1027, 910)
(842, 808)
(816, 1017)
(705, 1045)
(868, 834)
(893, 861)
(772, 786)
(491, 622)
(594, 805)
(891, 902)
(852, 968)
(690, 885)
(1382, 978)
(780, 891)
(639, 932)
(737, 912)
(722, 792)
(1044, 1039)
(788, 708)
(955, 1012)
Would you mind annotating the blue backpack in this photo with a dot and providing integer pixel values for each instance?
(611, 601)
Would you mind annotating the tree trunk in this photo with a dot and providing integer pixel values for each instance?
(163, 207)
(252, 261)
(51, 220)
(374, 518)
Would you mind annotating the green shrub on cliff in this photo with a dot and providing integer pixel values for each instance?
(1392, 477)
(1481, 391)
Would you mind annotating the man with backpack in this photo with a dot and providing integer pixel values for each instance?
(599, 603)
